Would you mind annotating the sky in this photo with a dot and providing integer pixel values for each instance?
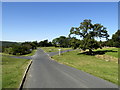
(31, 21)
(60, 0)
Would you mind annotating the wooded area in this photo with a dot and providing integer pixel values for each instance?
(87, 32)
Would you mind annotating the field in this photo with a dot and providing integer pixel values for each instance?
(96, 66)
(12, 71)
(53, 49)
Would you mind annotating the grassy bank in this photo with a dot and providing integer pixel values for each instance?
(111, 51)
(30, 54)
(107, 70)
(12, 71)
(53, 49)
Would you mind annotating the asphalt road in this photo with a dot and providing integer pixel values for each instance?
(47, 73)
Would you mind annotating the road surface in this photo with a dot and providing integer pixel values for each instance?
(47, 73)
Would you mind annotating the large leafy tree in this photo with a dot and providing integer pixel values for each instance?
(74, 42)
(61, 41)
(116, 39)
(44, 43)
(88, 32)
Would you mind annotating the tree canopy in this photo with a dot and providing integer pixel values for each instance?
(88, 32)
(61, 41)
(114, 41)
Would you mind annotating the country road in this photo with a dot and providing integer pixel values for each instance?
(47, 73)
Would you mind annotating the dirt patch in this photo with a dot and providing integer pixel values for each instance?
(107, 58)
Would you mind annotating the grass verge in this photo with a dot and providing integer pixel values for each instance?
(90, 64)
(30, 54)
(53, 49)
(12, 71)
(6, 54)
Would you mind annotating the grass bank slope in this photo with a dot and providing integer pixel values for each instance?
(107, 70)
(12, 71)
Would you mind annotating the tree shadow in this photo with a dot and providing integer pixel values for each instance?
(96, 52)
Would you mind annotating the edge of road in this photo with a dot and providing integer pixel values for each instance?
(75, 68)
(47, 55)
(24, 75)
(51, 57)
(28, 67)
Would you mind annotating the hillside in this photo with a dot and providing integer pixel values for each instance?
(7, 43)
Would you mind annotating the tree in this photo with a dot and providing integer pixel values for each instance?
(22, 49)
(88, 32)
(74, 42)
(116, 39)
(44, 43)
(35, 43)
(61, 41)
(55, 42)
(109, 43)
(8, 50)
(16, 49)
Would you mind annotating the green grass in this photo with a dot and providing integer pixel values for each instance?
(0, 73)
(90, 64)
(12, 71)
(53, 49)
(114, 54)
(30, 54)
(7, 54)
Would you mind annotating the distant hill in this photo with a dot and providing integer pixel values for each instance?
(7, 43)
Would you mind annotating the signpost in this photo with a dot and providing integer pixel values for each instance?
(59, 51)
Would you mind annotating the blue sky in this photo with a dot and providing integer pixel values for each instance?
(29, 21)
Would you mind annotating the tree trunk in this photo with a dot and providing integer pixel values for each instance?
(90, 51)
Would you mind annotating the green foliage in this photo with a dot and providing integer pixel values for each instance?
(35, 43)
(55, 41)
(89, 44)
(74, 43)
(8, 50)
(61, 41)
(6, 44)
(44, 43)
(30, 45)
(115, 41)
(88, 32)
(109, 43)
(21, 49)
